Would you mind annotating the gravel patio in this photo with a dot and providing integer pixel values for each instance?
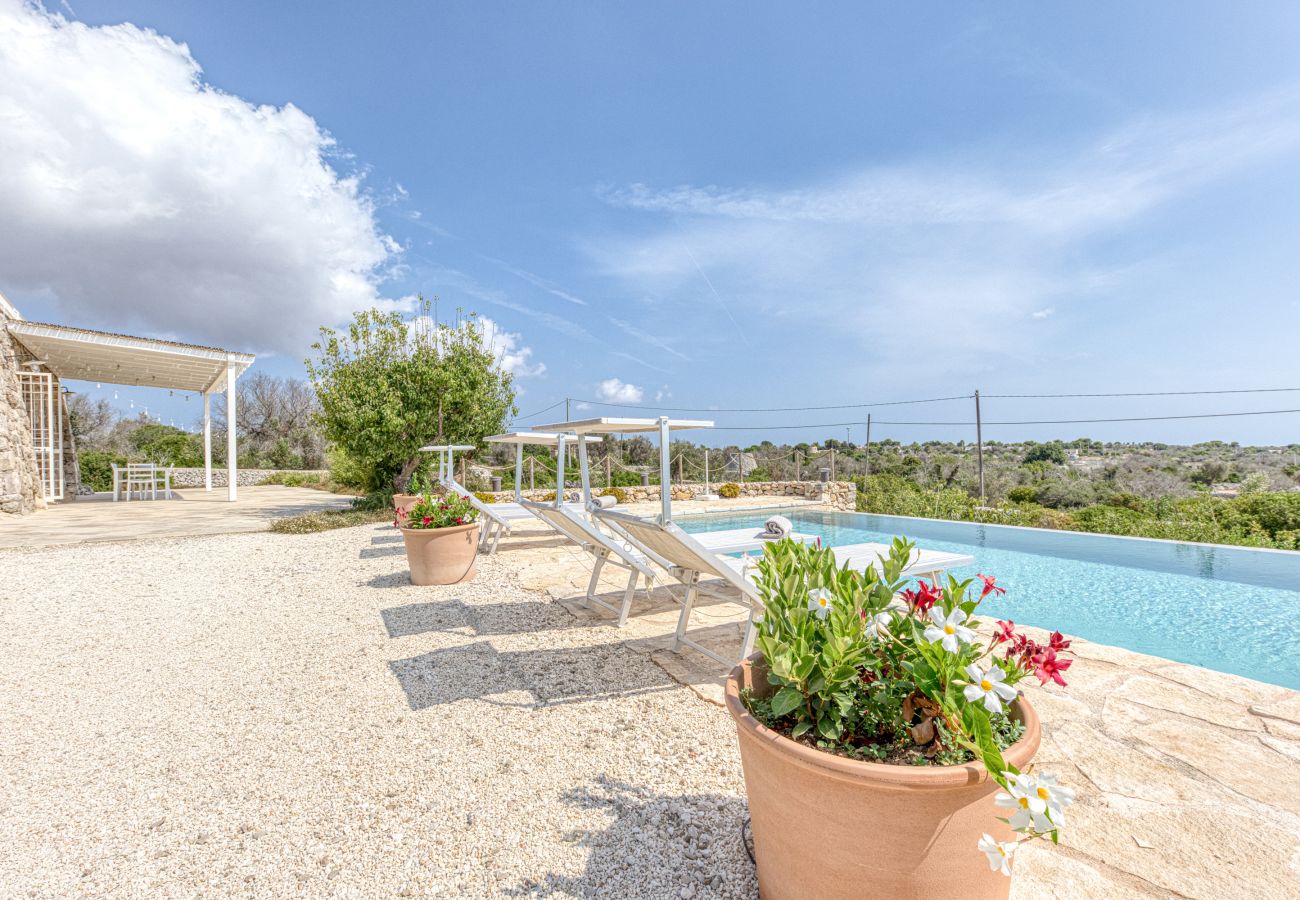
(280, 715)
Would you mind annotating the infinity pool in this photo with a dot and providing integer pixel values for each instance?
(1233, 609)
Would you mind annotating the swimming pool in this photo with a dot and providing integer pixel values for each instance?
(1233, 609)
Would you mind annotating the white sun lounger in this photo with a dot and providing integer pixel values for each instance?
(501, 517)
(690, 558)
(579, 529)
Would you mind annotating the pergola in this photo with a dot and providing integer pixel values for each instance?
(101, 356)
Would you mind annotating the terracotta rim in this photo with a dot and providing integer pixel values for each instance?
(448, 530)
(881, 774)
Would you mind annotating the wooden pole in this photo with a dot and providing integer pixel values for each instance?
(680, 480)
(532, 473)
(609, 471)
(979, 444)
(867, 457)
(832, 464)
(798, 465)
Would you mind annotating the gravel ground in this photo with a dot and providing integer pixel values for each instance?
(282, 715)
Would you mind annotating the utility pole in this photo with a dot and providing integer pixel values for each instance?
(832, 464)
(979, 444)
(867, 456)
(532, 473)
(567, 417)
(798, 465)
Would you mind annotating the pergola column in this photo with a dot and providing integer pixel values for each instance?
(207, 442)
(232, 462)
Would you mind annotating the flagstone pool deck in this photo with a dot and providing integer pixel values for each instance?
(283, 715)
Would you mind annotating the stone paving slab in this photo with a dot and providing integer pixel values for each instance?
(193, 512)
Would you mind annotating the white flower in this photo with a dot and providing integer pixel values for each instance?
(879, 624)
(819, 601)
(1057, 797)
(999, 854)
(988, 686)
(950, 631)
(1030, 808)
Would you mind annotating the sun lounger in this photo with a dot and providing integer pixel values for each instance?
(689, 558)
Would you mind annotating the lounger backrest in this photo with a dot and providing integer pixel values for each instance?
(582, 532)
(676, 546)
(452, 485)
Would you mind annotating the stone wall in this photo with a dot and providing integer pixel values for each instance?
(839, 495)
(191, 478)
(20, 491)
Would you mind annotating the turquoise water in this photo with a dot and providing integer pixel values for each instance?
(1232, 609)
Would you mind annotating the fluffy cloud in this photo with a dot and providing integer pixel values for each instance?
(613, 390)
(511, 354)
(141, 197)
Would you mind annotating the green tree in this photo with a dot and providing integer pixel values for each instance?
(166, 445)
(1051, 453)
(387, 387)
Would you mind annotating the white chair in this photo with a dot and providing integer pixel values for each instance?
(689, 559)
(144, 478)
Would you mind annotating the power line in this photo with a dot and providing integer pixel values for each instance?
(1262, 412)
(540, 411)
(773, 408)
(1145, 394)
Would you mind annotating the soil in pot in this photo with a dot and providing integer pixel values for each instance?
(442, 555)
(826, 826)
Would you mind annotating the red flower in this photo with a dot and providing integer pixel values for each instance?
(1058, 642)
(923, 597)
(460, 520)
(1006, 631)
(425, 521)
(990, 587)
(1048, 668)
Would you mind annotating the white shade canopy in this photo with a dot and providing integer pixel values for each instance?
(606, 425)
(532, 438)
(85, 355)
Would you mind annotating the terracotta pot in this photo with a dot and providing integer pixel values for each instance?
(404, 502)
(829, 827)
(442, 555)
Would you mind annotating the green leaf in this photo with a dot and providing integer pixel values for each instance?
(785, 701)
(800, 729)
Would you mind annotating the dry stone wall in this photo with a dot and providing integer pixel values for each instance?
(838, 495)
(20, 491)
(193, 477)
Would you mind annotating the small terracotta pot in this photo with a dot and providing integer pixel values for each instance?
(830, 827)
(442, 555)
(404, 502)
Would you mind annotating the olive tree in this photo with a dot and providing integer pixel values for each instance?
(387, 387)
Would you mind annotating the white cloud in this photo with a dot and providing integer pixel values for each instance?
(510, 352)
(613, 390)
(1042, 313)
(538, 281)
(141, 197)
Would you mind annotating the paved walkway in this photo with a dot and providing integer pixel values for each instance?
(194, 512)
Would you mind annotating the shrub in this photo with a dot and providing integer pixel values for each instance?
(1021, 493)
(730, 490)
(618, 494)
(1053, 453)
(97, 468)
(485, 497)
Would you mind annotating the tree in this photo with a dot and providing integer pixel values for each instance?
(91, 420)
(1050, 453)
(277, 423)
(387, 388)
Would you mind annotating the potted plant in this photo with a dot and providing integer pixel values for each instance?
(441, 536)
(416, 488)
(876, 727)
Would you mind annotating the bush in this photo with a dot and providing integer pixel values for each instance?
(1274, 512)
(97, 468)
(485, 497)
(618, 494)
(1053, 453)
(1022, 493)
(730, 490)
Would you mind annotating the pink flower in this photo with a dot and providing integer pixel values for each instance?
(1006, 631)
(990, 586)
(425, 521)
(1048, 668)
(1058, 642)
(923, 597)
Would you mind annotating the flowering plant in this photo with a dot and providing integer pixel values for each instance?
(866, 667)
(437, 512)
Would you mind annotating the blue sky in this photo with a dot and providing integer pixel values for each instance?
(694, 205)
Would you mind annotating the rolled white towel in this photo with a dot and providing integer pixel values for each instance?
(604, 502)
(778, 527)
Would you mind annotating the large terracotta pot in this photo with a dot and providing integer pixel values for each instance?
(442, 555)
(829, 827)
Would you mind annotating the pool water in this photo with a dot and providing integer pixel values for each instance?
(1233, 609)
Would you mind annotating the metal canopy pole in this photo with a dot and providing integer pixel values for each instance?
(519, 471)
(665, 473)
(584, 470)
(207, 442)
(979, 444)
(559, 471)
(232, 462)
